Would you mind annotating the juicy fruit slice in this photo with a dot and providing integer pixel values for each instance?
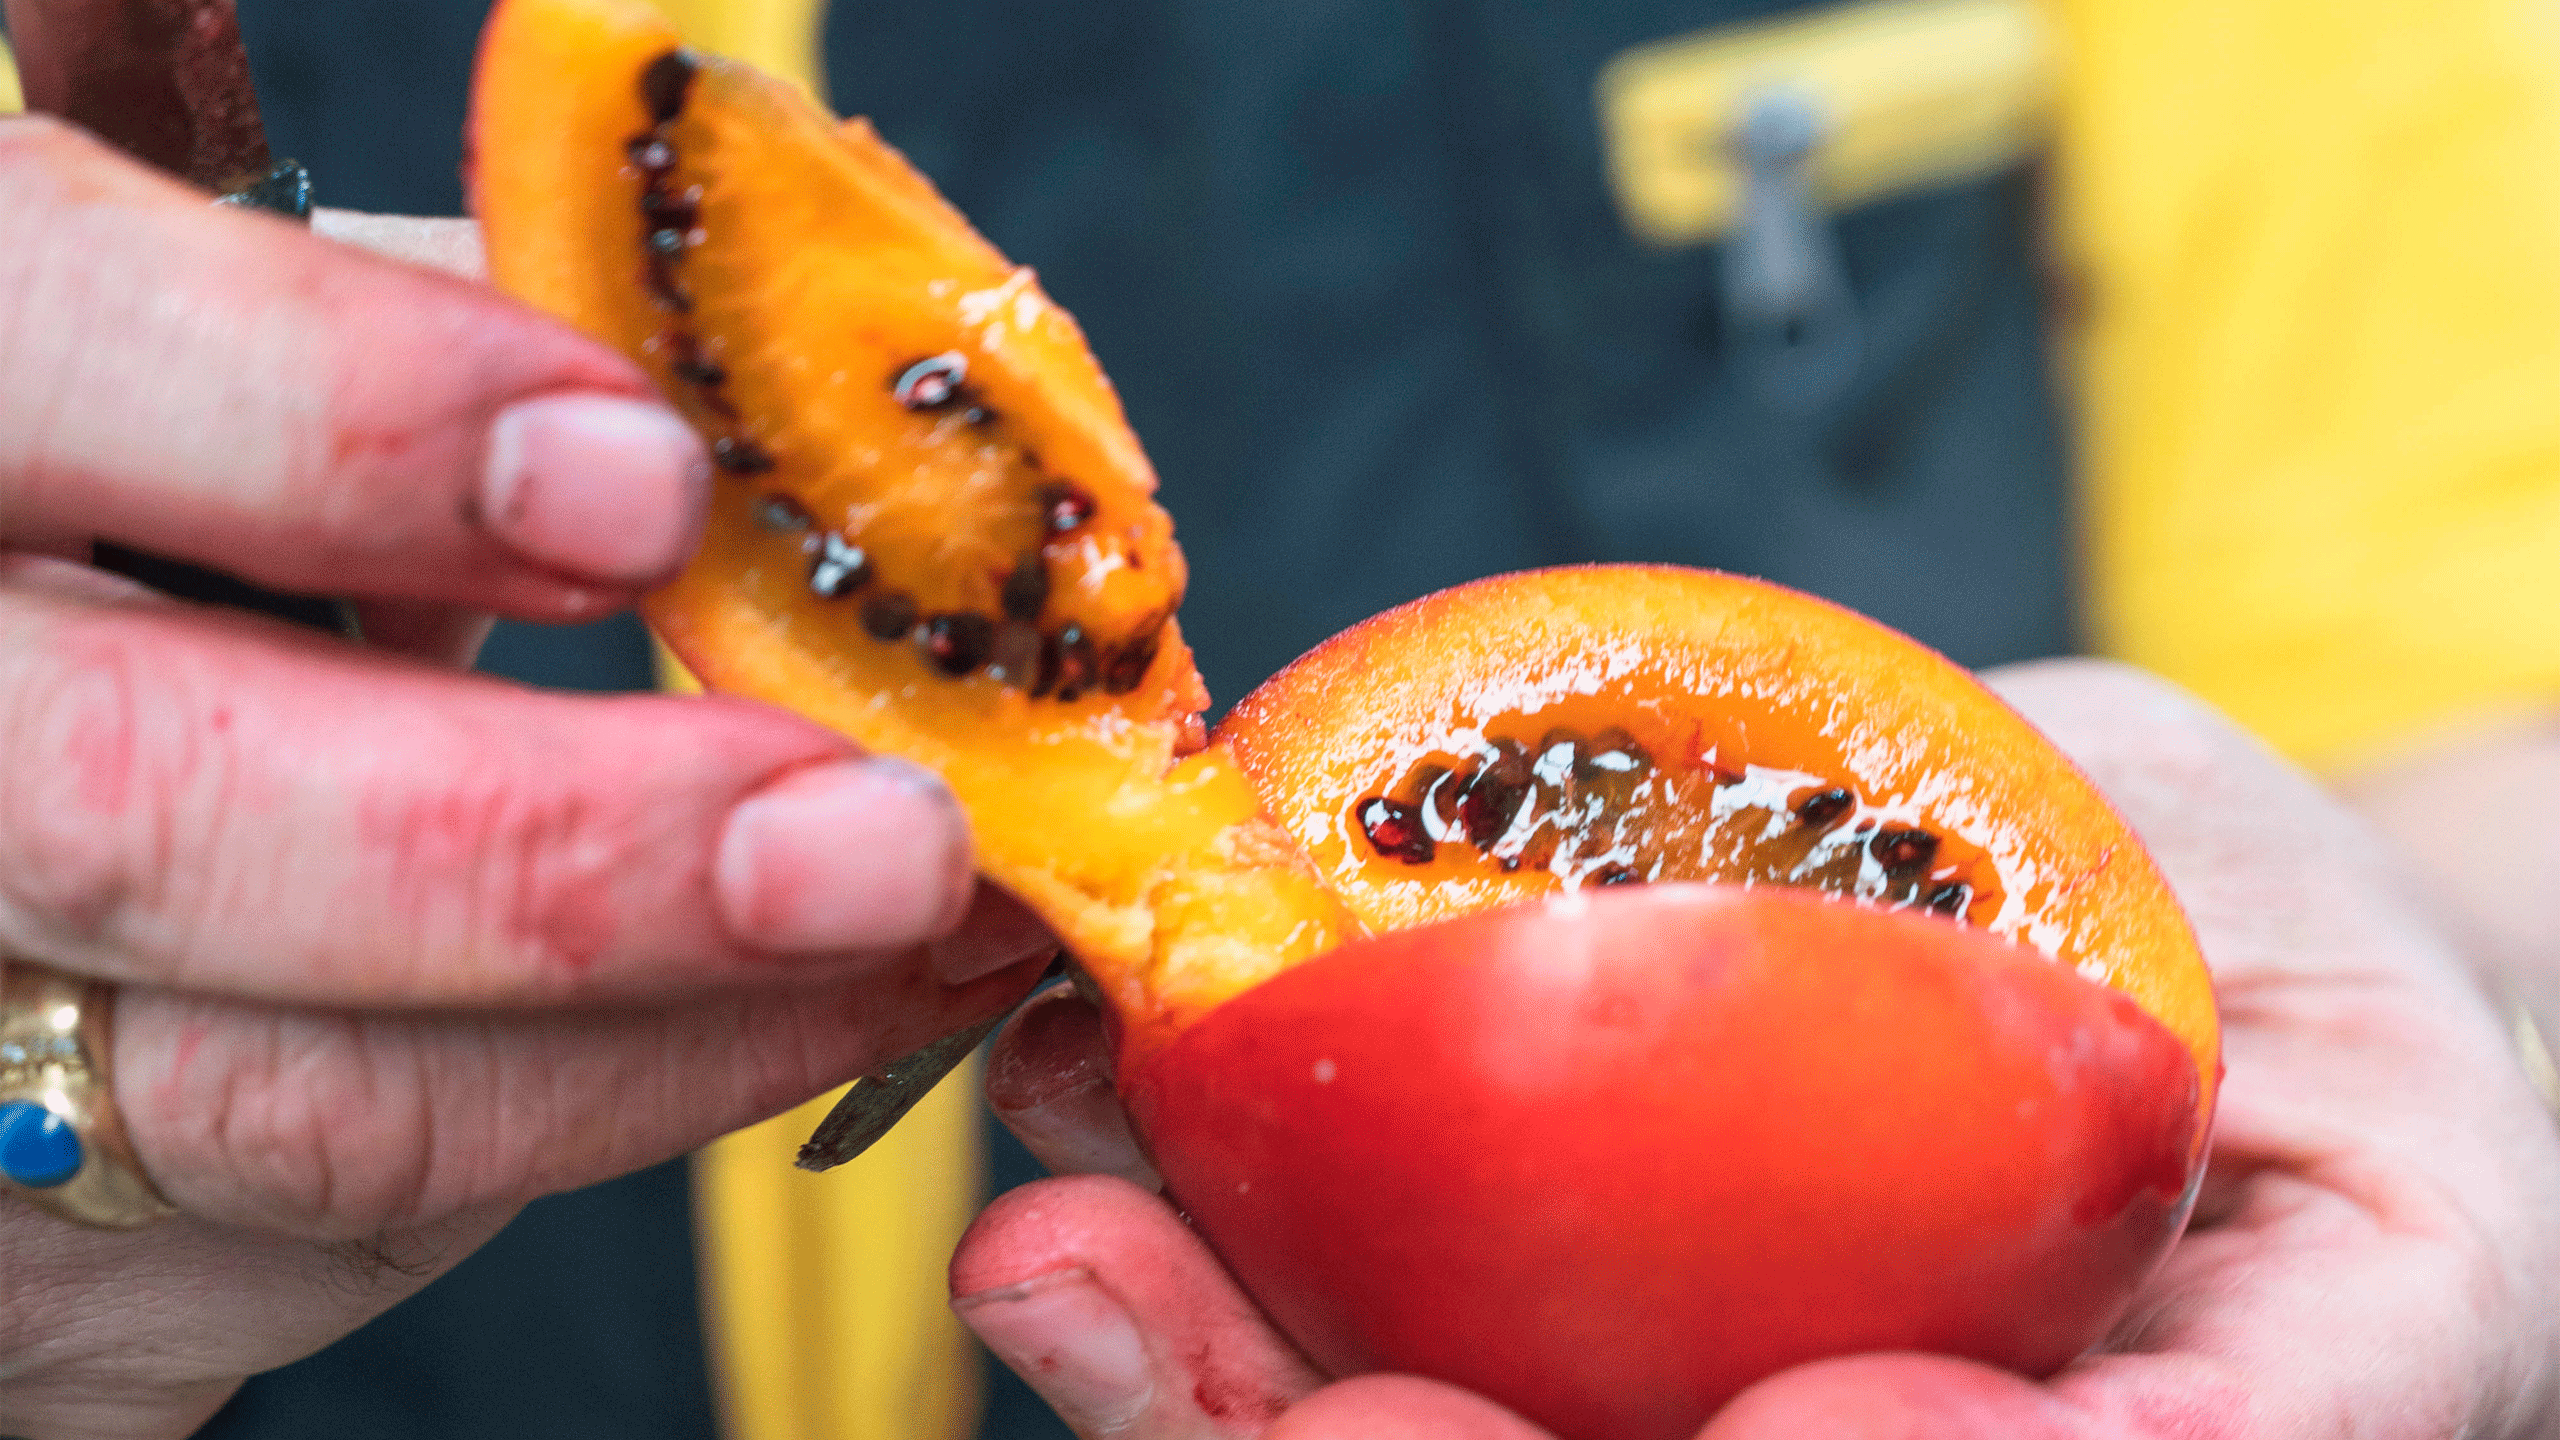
(1544, 732)
(1614, 1158)
(933, 529)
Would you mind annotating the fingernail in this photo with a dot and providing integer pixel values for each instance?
(999, 935)
(595, 485)
(1071, 1342)
(868, 854)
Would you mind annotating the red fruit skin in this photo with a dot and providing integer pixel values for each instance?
(1612, 1159)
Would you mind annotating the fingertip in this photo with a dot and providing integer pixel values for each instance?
(867, 854)
(606, 487)
(1400, 1407)
(1895, 1397)
(999, 933)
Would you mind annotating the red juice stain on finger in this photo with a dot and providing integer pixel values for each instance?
(1230, 1398)
(467, 850)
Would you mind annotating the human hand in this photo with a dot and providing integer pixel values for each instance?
(2375, 1252)
(397, 948)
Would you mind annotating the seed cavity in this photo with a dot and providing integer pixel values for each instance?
(1067, 507)
(1015, 658)
(1593, 806)
(1128, 669)
(1900, 851)
(741, 457)
(839, 568)
(1075, 663)
(1394, 828)
(1026, 590)
(957, 641)
(931, 383)
(650, 155)
(889, 615)
(664, 85)
(782, 515)
(1823, 809)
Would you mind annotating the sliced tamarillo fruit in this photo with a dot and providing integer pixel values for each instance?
(1622, 724)
(933, 529)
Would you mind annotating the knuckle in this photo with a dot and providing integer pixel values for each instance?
(513, 883)
(83, 802)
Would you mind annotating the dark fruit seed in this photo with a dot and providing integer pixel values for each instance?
(1395, 828)
(1015, 658)
(957, 642)
(1026, 590)
(667, 211)
(1075, 662)
(699, 372)
(1614, 752)
(1486, 810)
(1129, 667)
(839, 569)
(1900, 850)
(653, 155)
(932, 383)
(669, 243)
(1047, 680)
(664, 83)
(1067, 507)
(1950, 899)
(782, 515)
(1617, 875)
(888, 616)
(740, 457)
(977, 414)
(664, 289)
(1824, 808)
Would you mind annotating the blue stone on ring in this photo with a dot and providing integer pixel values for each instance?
(38, 1149)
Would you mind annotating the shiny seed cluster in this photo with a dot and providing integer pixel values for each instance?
(1011, 647)
(1595, 810)
(1516, 805)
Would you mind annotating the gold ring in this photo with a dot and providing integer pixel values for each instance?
(62, 1147)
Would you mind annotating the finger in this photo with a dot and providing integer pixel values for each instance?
(452, 246)
(446, 635)
(214, 802)
(221, 387)
(1104, 1302)
(1915, 1397)
(1401, 1407)
(1001, 933)
(1049, 1080)
(335, 1125)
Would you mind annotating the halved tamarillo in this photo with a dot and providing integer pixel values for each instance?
(1604, 725)
(1521, 950)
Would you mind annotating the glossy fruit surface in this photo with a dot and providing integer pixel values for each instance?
(1613, 1157)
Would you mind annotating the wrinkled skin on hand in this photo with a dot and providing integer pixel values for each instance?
(2377, 1250)
(398, 948)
